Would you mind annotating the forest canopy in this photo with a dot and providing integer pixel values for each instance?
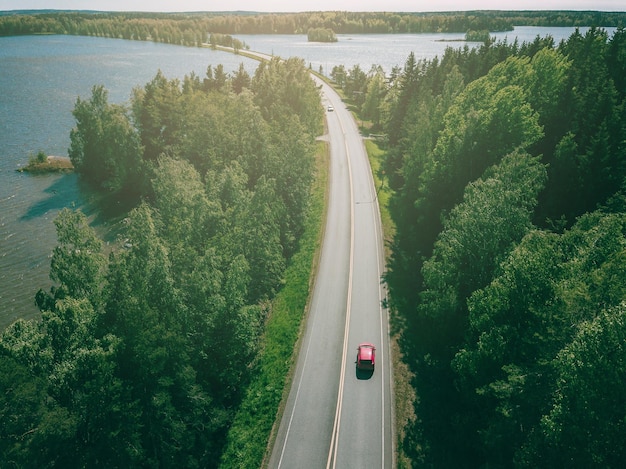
(145, 348)
(506, 275)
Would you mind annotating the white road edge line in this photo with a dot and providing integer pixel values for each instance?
(293, 410)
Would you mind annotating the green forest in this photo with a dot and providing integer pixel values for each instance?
(193, 29)
(145, 349)
(507, 271)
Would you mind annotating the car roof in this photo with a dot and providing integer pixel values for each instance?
(366, 351)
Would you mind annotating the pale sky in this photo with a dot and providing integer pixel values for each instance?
(312, 5)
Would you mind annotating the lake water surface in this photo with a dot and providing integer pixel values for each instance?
(41, 77)
(386, 50)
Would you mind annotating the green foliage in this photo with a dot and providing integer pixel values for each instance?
(23, 401)
(41, 157)
(321, 35)
(477, 235)
(258, 411)
(282, 88)
(339, 74)
(372, 105)
(261, 241)
(584, 425)
(590, 120)
(187, 215)
(488, 119)
(522, 323)
(355, 85)
(241, 80)
(477, 36)
(77, 262)
(158, 115)
(507, 264)
(81, 410)
(104, 147)
(143, 359)
(226, 40)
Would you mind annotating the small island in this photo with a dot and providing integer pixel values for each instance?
(321, 35)
(42, 163)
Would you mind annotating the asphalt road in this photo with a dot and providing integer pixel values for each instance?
(335, 417)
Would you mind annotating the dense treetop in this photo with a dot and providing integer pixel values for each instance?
(145, 348)
(508, 169)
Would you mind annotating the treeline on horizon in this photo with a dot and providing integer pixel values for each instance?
(193, 29)
(507, 274)
(146, 346)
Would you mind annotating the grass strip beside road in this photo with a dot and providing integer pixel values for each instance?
(252, 432)
(376, 156)
(404, 394)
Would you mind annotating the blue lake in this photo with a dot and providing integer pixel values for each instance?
(41, 77)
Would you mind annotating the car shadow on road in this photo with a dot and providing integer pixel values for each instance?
(363, 374)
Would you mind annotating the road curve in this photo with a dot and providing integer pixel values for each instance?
(335, 417)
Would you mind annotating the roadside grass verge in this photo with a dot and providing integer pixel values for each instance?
(403, 392)
(252, 432)
(375, 155)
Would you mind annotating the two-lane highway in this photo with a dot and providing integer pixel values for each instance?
(334, 417)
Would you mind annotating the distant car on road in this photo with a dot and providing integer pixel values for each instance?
(330, 108)
(366, 356)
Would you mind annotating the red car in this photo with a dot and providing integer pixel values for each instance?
(366, 356)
